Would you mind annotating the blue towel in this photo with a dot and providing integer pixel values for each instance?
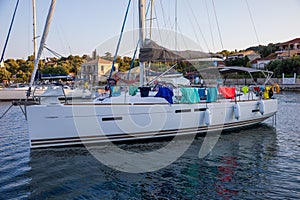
(262, 88)
(201, 92)
(189, 95)
(212, 95)
(115, 91)
(166, 93)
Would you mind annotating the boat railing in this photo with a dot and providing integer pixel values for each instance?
(239, 93)
(54, 92)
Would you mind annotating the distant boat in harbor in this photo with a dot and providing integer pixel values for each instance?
(17, 93)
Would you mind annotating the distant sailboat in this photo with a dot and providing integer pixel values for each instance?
(19, 93)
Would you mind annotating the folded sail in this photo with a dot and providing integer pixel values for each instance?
(151, 51)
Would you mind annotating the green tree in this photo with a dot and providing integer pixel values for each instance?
(58, 70)
(108, 56)
(12, 66)
(287, 66)
(4, 74)
(238, 62)
(265, 51)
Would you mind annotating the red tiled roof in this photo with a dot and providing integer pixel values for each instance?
(296, 40)
(258, 59)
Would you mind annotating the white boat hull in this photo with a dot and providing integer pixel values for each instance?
(7, 94)
(72, 124)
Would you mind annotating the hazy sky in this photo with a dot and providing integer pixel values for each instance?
(79, 26)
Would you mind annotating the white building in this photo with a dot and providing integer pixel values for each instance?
(97, 70)
(261, 63)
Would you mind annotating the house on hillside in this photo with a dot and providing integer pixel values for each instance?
(252, 55)
(96, 71)
(289, 49)
(290, 45)
(261, 63)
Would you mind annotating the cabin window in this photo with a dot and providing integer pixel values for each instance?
(199, 109)
(105, 119)
(183, 111)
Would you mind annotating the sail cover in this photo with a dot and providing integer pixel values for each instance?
(151, 51)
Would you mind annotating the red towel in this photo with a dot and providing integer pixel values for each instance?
(228, 93)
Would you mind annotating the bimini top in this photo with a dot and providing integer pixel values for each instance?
(151, 51)
(231, 69)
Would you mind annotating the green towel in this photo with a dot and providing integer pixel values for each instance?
(133, 90)
(189, 95)
(212, 95)
(245, 89)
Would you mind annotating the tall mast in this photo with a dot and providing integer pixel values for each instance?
(34, 29)
(43, 41)
(151, 18)
(176, 24)
(142, 12)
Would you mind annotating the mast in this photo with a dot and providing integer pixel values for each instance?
(142, 11)
(176, 24)
(151, 18)
(43, 40)
(34, 29)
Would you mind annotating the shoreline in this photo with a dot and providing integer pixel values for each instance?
(290, 87)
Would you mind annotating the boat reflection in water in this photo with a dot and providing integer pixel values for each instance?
(238, 163)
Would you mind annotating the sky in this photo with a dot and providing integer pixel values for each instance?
(80, 26)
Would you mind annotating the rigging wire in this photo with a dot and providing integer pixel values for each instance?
(197, 23)
(63, 39)
(165, 21)
(252, 21)
(210, 28)
(163, 13)
(157, 24)
(119, 42)
(9, 31)
(54, 52)
(217, 21)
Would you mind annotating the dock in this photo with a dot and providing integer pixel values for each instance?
(290, 87)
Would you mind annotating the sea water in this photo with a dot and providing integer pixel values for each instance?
(261, 162)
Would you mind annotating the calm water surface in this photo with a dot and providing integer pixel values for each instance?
(258, 163)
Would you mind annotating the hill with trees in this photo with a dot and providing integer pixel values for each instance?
(19, 70)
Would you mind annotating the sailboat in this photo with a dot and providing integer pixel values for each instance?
(131, 113)
(19, 91)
